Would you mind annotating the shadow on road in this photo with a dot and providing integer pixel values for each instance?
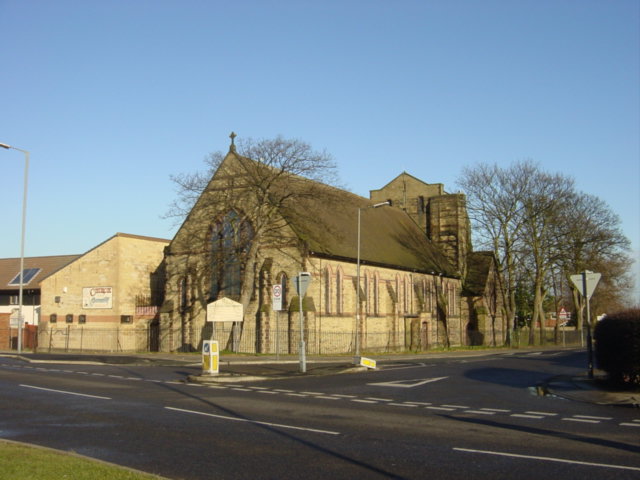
(600, 442)
(318, 448)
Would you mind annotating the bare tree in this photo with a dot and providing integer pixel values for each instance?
(537, 224)
(543, 235)
(594, 241)
(495, 198)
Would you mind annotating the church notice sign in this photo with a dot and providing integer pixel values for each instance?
(224, 310)
(97, 297)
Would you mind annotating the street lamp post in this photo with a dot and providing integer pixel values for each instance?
(24, 221)
(358, 303)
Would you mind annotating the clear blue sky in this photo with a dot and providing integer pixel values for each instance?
(111, 97)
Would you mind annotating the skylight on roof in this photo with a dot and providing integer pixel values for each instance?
(27, 276)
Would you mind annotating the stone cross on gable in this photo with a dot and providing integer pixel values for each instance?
(233, 136)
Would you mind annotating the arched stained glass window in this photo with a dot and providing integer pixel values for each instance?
(230, 242)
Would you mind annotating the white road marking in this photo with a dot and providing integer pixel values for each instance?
(547, 459)
(630, 424)
(581, 420)
(408, 383)
(66, 392)
(255, 422)
(546, 414)
(456, 406)
(524, 415)
(496, 410)
(441, 408)
(363, 401)
(589, 417)
(379, 399)
(480, 412)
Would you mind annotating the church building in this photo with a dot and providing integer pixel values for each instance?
(393, 272)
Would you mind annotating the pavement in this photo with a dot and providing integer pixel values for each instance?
(252, 368)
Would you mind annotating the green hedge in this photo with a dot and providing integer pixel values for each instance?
(617, 348)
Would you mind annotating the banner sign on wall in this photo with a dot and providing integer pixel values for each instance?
(97, 297)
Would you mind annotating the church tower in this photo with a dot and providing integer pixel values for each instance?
(441, 215)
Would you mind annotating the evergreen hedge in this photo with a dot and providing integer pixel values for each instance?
(617, 346)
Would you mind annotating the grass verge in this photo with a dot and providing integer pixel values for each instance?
(19, 461)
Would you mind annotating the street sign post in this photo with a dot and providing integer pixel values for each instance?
(276, 297)
(586, 283)
(276, 304)
(301, 283)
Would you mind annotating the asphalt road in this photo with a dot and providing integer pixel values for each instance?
(443, 418)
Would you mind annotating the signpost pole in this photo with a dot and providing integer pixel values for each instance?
(277, 336)
(303, 360)
(301, 283)
(586, 282)
(276, 306)
(588, 320)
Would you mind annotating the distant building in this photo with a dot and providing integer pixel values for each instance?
(118, 283)
(35, 269)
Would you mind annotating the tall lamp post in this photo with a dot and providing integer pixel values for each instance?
(24, 221)
(358, 303)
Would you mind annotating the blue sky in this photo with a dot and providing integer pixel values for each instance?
(112, 97)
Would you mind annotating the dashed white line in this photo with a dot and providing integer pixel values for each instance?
(362, 401)
(544, 414)
(446, 409)
(456, 406)
(625, 424)
(480, 412)
(589, 417)
(525, 415)
(580, 420)
(496, 410)
(379, 399)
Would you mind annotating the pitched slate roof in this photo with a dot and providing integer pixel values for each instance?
(388, 236)
(325, 219)
(10, 267)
